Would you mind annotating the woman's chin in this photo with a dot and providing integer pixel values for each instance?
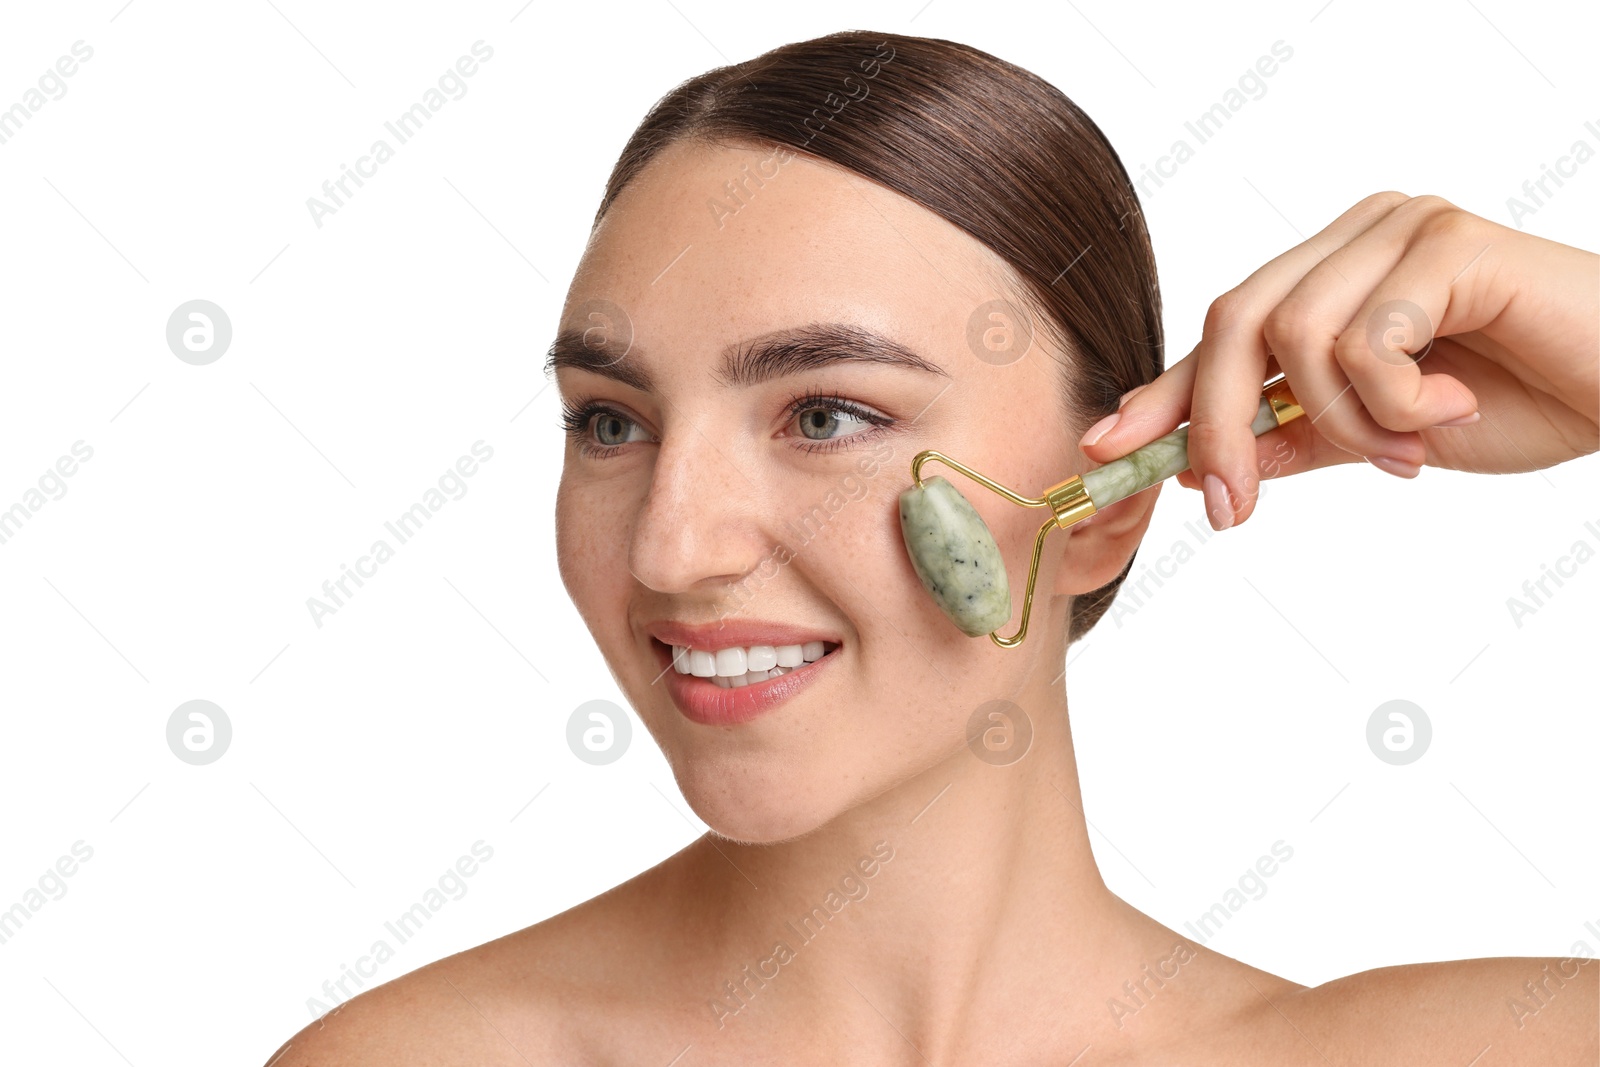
(757, 816)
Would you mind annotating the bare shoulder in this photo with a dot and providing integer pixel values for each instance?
(559, 992)
(456, 1010)
(1488, 1012)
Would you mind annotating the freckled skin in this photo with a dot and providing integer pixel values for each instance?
(669, 527)
(989, 936)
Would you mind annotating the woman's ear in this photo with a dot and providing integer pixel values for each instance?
(1098, 547)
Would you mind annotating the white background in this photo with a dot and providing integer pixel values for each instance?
(368, 354)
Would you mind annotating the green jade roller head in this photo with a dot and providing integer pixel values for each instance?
(955, 556)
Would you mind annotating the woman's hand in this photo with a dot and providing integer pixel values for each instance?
(1410, 331)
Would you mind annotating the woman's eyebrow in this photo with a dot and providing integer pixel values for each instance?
(771, 355)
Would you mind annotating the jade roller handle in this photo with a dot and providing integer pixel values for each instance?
(1166, 456)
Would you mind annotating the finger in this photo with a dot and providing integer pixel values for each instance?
(1167, 399)
(1175, 386)
(1375, 412)
(1383, 348)
(1163, 403)
(1232, 359)
(1294, 448)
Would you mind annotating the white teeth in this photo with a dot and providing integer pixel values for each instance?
(738, 667)
(730, 662)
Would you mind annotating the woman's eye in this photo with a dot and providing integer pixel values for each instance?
(833, 422)
(829, 422)
(820, 423)
(611, 429)
(597, 429)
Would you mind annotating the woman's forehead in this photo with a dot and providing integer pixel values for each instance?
(721, 229)
(811, 243)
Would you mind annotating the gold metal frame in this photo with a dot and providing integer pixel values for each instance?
(1068, 502)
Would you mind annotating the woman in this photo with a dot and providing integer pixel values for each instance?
(805, 269)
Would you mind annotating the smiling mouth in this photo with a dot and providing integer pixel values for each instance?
(810, 653)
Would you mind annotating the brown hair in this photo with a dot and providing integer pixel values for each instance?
(988, 146)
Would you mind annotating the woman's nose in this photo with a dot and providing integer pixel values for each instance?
(701, 519)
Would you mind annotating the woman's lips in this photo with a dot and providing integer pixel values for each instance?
(703, 701)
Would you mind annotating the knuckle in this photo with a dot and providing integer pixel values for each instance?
(1418, 209)
(1289, 326)
(1225, 313)
(1389, 198)
(1353, 350)
(1447, 224)
(1382, 403)
(1379, 204)
(1207, 434)
(1432, 201)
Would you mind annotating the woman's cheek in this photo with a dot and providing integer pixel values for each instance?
(581, 544)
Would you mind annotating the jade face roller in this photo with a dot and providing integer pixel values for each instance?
(955, 556)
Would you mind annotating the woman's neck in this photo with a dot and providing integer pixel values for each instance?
(941, 905)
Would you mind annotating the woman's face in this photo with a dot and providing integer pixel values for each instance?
(697, 500)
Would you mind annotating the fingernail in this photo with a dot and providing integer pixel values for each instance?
(1128, 396)
(1217, 505)
(1398, 467)
(1465, 420)
(1098, 430)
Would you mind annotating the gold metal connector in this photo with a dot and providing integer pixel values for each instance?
(1284, 405)
(1070, 501)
